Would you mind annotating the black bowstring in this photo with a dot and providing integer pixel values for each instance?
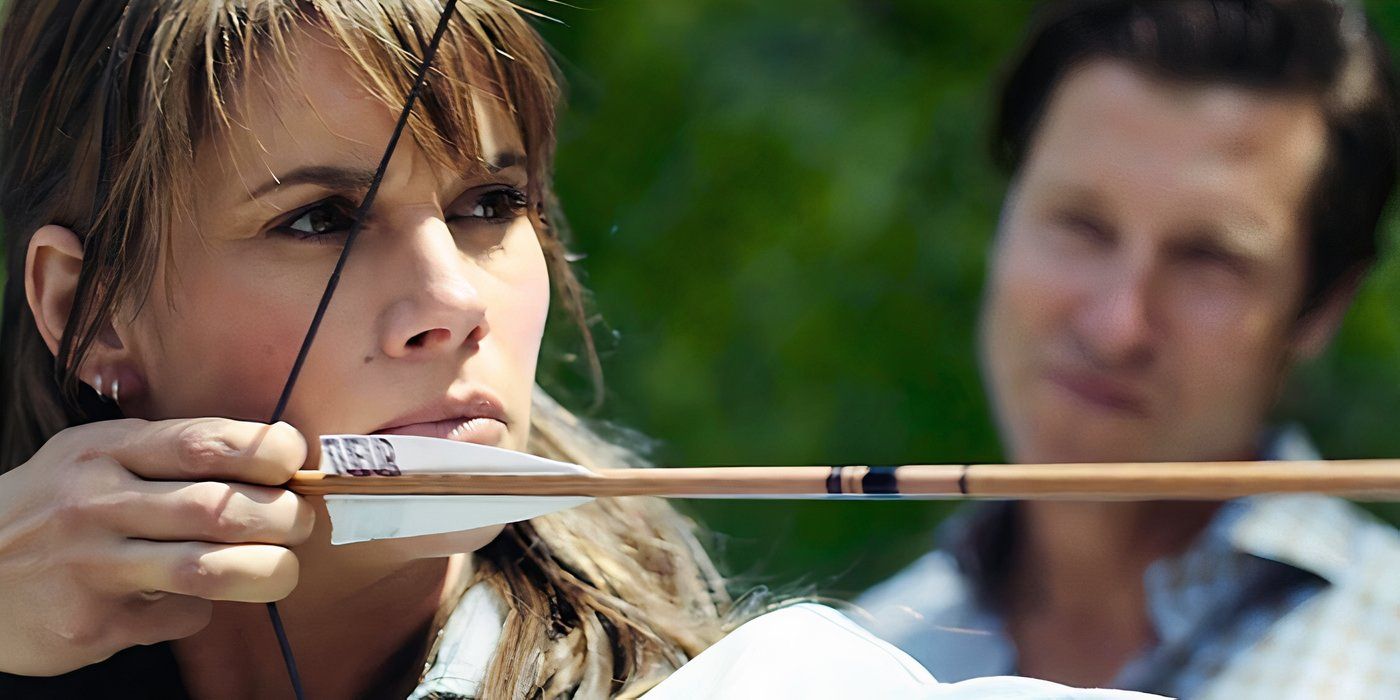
(360, 215)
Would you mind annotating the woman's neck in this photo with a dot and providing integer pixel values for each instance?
(349, 619)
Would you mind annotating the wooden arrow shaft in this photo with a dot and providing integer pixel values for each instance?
(1360, 479)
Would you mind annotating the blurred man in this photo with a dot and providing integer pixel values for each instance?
(1194, 197)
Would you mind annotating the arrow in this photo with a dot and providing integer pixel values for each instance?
(382, 486)
(363, 517)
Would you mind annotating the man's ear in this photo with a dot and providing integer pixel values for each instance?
(51, 269)
(1317, 327)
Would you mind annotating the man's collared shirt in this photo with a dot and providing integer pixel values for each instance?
(1292, 596)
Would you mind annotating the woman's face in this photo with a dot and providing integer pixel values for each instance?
(435, 327)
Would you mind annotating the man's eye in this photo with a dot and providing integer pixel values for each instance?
(327, 218)
(1084, 228)
(1213, 258)
(499, 205)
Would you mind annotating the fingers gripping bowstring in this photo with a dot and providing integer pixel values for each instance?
(361, 214)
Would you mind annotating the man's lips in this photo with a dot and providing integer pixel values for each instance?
(1099, 392)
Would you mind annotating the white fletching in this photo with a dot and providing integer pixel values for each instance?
(359, 518)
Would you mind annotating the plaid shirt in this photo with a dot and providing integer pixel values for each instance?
(1292, 596)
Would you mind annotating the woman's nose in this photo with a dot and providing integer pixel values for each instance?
(440, 309)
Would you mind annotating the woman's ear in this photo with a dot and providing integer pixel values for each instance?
(51, 269)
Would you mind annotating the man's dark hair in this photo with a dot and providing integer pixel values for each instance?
(1321, 49)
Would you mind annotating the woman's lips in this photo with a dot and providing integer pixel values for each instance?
(477, 417)
(480, 430)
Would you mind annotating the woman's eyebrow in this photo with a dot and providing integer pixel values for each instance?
(334, 177)
(503, 160)
(330, 177)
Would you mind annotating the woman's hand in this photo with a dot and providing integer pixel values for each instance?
(121, 533)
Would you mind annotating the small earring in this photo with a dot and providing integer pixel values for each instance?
(99, 385)
(116, 389)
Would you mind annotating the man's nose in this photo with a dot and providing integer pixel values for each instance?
(439, 309)
(1116, 324)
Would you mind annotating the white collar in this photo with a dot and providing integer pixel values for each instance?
(467, 643)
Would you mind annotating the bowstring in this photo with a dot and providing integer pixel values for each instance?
(361, 213)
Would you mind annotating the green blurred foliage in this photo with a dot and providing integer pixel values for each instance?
(784, 208)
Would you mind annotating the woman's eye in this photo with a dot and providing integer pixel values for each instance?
(326, 218)
(498, 205)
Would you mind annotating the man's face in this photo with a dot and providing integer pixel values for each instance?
(1144, 288)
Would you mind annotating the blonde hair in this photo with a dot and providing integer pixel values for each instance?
(102, 105)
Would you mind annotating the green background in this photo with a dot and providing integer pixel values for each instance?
(784, 207)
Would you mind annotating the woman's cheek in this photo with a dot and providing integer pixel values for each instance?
(533, 310)
(524, 302)
(228, 350)
(518, 317)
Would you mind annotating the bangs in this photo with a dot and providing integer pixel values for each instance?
(489, 52)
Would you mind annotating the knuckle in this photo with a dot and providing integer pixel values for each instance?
(208, 508)
(84, 627)
(202, 449)
(78, 503)
(88, 455)
(89, 635)
(74, 452)
(90, 496)
(195, 578)
(71, 511)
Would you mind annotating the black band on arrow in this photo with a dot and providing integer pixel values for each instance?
(880, 480)
(833, 481)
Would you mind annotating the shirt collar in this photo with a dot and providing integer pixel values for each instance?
(1256, 551)
(1307, 532)
(465, 646)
